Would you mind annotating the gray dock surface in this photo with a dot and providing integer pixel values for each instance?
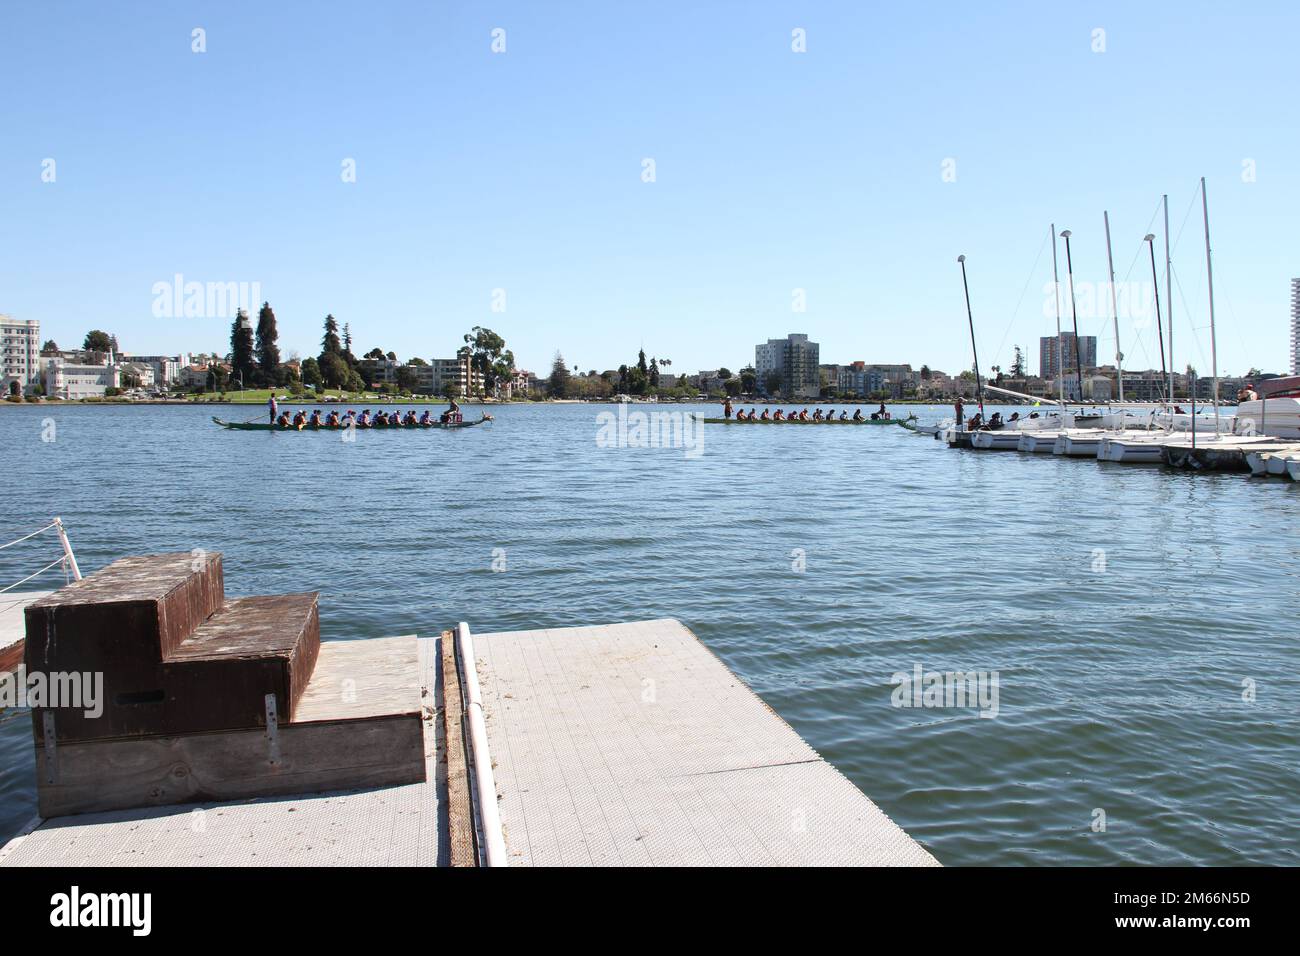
(632, 744)
(389, 826)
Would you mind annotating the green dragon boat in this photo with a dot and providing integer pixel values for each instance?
(267, 427)
(904, 422)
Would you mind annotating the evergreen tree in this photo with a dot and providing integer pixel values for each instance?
(347, 345)
(640, 363)
(330, 343)
(268, 353)
(241, 349)
(654, 373)
(97, 341)
(558, 384)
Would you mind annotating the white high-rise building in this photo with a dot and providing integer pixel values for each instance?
(20, 351)
(1295, 326)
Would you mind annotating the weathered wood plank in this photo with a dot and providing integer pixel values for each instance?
(460, 812)
(365, 734)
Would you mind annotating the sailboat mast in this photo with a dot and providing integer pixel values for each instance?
(979, 387)
(1114, 308)
(1209, 275)
(1169, 300)
(1056, 291)
(1150, 240)
(1074, 311)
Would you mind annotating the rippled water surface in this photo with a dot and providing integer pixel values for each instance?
(1126, 609)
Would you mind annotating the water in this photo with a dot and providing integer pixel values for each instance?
(1120, 690)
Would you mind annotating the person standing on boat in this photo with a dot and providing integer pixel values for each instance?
(960, 408)
(271, 407)
(726, 408)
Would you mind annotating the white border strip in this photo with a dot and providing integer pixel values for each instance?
(494, 849)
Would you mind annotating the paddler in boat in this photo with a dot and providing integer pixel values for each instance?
(803, 415)
(283, 420)
(364, 420)
(752, 413)
(741, 416)
(332, 419)
(314, 421)
(884, 413)
(452, 414)
(426, 419)
(857, 414)
(726, 409)
(767, 415)
(779, 416)
(817, 415)
(410, 418)
(299, 418)
(844, 415)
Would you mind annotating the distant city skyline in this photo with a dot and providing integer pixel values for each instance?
(616, 177)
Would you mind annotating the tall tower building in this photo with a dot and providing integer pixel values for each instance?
(1295, 326)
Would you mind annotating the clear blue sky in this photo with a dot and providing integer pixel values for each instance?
(522, 171)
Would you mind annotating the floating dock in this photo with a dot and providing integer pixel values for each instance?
(625, 744)
(12, 627)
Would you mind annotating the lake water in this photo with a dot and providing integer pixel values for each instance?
(1127, 610)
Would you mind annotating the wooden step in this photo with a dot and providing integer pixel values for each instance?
(125, 617)
(359, 724)
(218, 678)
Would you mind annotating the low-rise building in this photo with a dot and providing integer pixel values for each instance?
(73, 380)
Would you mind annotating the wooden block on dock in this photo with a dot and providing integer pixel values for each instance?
(358, 725)
(126, 617)
(218, 679)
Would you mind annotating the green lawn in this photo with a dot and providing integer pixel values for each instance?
(259, 396)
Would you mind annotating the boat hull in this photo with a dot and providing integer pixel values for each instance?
(266, 427)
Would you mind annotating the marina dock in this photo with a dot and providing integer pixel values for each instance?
(12, 626)
(624, 744)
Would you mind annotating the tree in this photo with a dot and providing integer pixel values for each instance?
(334, 371)
(406, 378)
(925, 373)
(489, 356)
(217, 377)
(1018, 364)
(49, 346)
(347, 344)
(375, 354)
(557, 386)
(451, 391)
(640, 363)
(97, 341)
(330, 343)
(268, 353)
(732, 387)
(772, 382)
(241, 349)
(622, 379)
(654, 373)
(748, 380)
(724, 373)
(311, 374)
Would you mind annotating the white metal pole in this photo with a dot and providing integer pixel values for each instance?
(67, 549)
(1209, 275)
(494, 844)
(1114, 308)
(1056, 290)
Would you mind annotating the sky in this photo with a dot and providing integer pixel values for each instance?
(827, 191)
